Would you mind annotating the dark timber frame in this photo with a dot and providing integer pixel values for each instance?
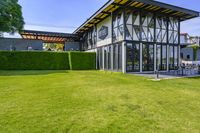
(49, 37)
(145, 5)
(167, 38)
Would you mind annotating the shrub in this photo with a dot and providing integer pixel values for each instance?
(82, 60)
(18, 60)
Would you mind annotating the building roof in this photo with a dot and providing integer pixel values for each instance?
(48, 37)
(147, 5)
(183, 33)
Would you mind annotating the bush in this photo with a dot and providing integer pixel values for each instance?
(26, 60)
(82, 61)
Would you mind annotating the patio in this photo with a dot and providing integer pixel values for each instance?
(184, 71)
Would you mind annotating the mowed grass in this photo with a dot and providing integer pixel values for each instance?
(96, 102)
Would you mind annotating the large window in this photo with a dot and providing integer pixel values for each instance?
(129, 25)
(89, 39)
(118, 27)
(161, 29)
(120, 57)
(147, 23)
(105, 58)
(117, 57)
(108, 55)
(148, 57)
(132, 26)
(171, 57)
(133, 57)
(164, 57)
(129, 57)
(161, 57)
(173, 30)
(100, 58)
(176, 57)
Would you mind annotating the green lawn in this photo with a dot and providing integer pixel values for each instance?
(96, 102)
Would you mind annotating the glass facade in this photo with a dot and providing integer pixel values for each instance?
(110, 58)
(151, 42)
(89, 39)
(147, 57)
(133, 57)
(171, 57)
(118, 27)
(161, 58)
(161, 29)
(99, 58)
(164, 57)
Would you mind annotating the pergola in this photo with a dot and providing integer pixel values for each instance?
(48, 37)
(144, 5)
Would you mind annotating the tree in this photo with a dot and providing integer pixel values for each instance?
(11, 19)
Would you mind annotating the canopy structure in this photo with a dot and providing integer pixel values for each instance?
(145, 5)
(48, 37)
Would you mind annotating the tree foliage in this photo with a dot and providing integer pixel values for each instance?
(53, 47)
(11, 19)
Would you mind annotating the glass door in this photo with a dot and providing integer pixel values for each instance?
(148, 57)
(161, 57)
(133, 57)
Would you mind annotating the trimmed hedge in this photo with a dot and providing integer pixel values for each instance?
(31, 60)
(23, 60)
(82, 60)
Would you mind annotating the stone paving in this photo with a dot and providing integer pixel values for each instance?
(169, 75)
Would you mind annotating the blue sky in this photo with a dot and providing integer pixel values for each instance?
(66, 15)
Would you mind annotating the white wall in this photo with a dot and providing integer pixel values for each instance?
(92, 50)
(107, 22)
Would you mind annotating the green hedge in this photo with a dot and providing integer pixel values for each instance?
(18, 60)
(82, 61)
(25, 60)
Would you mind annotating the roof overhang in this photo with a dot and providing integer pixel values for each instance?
(48, 37)
(145, 5)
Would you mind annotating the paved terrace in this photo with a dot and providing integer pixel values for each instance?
(182, 73)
